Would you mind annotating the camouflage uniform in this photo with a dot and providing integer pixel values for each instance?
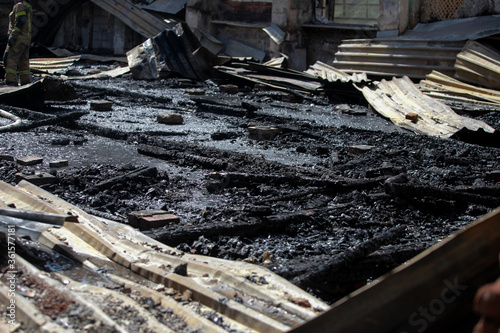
(16, 57)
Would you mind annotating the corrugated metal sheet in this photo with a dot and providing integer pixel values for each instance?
(166, 6)
(397, 57)
(52, 65)
(479, 65)
(212, 284)
(332, 74)
(175, 50)
(441, 86)
(417, 52)
(460, 29)
(136, 18)
(399, 97)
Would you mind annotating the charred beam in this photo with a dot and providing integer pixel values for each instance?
(55, 120)
(179, 156)
(411, 191)
(144, 172)
(325, 272)
(330, 185)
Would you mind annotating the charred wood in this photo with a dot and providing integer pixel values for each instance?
(328, 185)
(325, 272)
(102, 131)
(248, 228)
(55, 120)
(165, 154)
(223, 110)
(131, 176)
(409, 191)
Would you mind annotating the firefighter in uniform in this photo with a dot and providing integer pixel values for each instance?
(16, 56)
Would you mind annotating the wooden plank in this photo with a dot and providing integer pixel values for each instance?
(438, 280)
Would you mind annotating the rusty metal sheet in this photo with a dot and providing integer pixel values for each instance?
(442, 86)
(397, 57)
(479, 65)
(397, 98)
(136, 18)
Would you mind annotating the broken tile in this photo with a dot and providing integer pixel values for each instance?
(29, 160)
(170, 118)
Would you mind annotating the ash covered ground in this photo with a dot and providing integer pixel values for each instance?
(339, 197)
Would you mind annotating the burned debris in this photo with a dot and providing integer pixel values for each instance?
(208, 185)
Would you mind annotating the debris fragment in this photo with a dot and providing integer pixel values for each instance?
(101, 105)
(412, 116)
(58, 163)
(29, 160)
(149, 219)
(175, 50)
(170, 118)
(38, 178)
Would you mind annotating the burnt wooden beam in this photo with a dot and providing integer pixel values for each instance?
(325, 272)
(330, 185)
(143, 172)
(411, 191)
(54, 120)
(165, 154)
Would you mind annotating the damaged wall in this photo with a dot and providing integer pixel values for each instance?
(442, 10)
(223, 20)
(92, 29)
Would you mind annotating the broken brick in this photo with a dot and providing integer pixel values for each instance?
(149, 219)
(262, 133)
(229, 88)
(29, 160)
(412, 116)
(6, 157)
(101, 105)
(170, 118)
(39, 178)
(58, 163)
(493, 176)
